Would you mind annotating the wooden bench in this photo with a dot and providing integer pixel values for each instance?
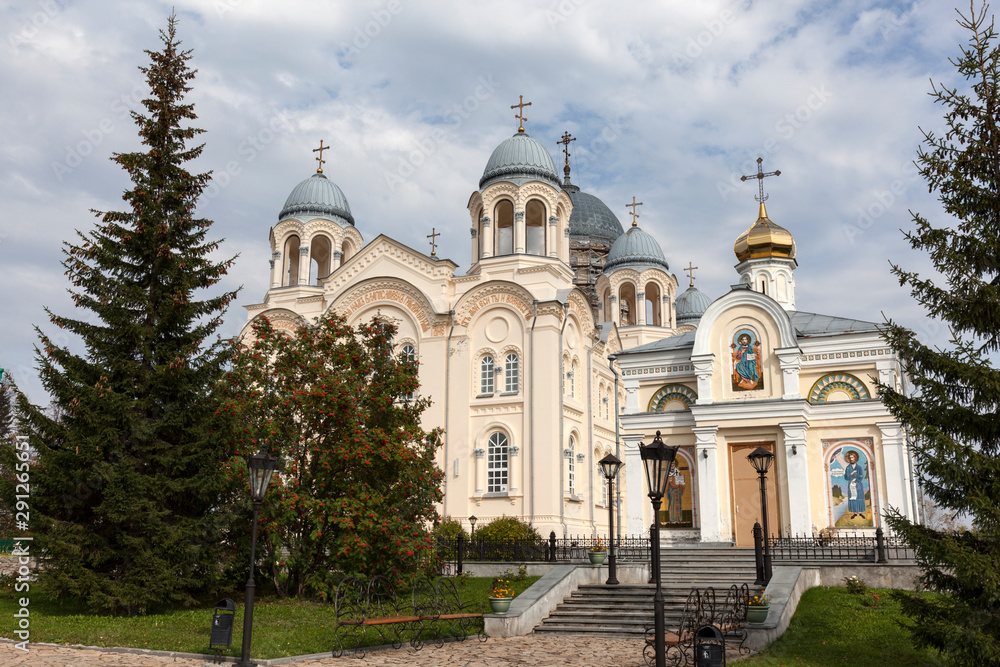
(375, 606)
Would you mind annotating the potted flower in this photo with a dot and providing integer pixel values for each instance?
(598, 553)
(501, 594)
(757, 608)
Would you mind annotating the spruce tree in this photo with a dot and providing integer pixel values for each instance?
(129, 488)
(951, 412)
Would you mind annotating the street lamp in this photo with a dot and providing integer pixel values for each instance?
(609, 467)
(261, 467)
(658, 459)
(472, 521)
(761, 459)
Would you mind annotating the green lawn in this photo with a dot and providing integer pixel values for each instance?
(832, 627)
(281, 627)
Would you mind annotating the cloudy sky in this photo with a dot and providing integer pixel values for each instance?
(670, 101)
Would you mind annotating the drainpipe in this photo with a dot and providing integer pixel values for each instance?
(530, 449)
(562, 425)
(618, 487)
(590, 432)
(447, 433)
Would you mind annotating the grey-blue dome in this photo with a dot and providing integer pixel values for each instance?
(591, 217)
(317, 196)
(691, 305)
(635, 249)
(520, 159)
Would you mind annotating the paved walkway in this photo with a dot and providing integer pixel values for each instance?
(529, 650)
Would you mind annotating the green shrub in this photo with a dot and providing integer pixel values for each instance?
(855, 585)
(449, 529)
(507, 528)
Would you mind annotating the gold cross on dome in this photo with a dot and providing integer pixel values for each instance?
(760, 176)
(690, 271)
(634, 212)
(320, 159)
(520, 111)
(566, 138)
(433, 237)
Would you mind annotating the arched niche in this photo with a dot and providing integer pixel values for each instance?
(626, 305)
(653, 304)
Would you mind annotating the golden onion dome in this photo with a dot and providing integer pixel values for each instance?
(764, 239)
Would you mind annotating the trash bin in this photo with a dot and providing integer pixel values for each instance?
(709, 647)
(222, 626)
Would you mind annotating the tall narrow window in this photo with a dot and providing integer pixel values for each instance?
(486, 372)
(535, 227)
(409, 356)
(291, 276)
(320, 257)
(510, 374)
(496, 464)
(505, 228)
(572, 466)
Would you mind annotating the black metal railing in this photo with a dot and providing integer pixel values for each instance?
(860, 547)
(462, 549)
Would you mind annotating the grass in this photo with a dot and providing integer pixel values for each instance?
(833, 627)
(281, 627)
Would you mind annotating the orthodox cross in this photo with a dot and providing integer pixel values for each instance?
(520, 111)
(566, 138)
(760, 176)
(634, 212)
(320, 158)
(690, 271)
(433, 237)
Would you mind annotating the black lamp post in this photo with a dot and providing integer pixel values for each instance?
(761, 459)
(472, 521)
(609, 468)
(658, 459)
(262, 469)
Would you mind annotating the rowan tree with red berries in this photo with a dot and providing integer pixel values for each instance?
(358, 481)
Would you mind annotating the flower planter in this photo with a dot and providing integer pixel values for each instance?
(757, 614)
(597, 557)
(500, 605)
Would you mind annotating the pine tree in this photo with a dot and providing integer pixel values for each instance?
(359, 481)
(952, 412)
(6, 407)
(129, 488)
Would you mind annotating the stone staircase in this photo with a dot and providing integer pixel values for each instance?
(626, 610)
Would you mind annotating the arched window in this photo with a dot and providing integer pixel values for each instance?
(409, 355)
(510, 374)
(486, 373)
(321, 254)
(504, 215)
(626, 305)
(652, 305)
(496, 464)
(534, 226)
(477, 236)
(571, 473)
(291, 276)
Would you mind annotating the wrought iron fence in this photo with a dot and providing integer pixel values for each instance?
(861, 547)
(551, 550)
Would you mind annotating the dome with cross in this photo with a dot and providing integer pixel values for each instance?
(317, 197)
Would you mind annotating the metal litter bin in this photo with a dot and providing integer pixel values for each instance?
(709, 647)
(222, 627)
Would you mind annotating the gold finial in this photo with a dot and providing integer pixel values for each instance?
(319, 170)
(520, 111)
(566, 138)
(760, 176)
(690, 271)
(634, 212)
(433, 237)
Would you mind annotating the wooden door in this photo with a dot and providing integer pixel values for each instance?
(746, 493)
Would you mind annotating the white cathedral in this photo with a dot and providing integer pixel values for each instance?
(566, 339)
